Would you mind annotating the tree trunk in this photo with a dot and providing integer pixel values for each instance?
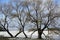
(9, 33)
(25, 34)
(40, 34)
(17, 33)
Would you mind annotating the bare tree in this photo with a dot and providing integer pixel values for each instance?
(20, 14)
(43, 19)
(43, 16)
(5, 11)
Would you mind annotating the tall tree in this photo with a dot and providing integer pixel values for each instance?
(5, 10)
(43, 16)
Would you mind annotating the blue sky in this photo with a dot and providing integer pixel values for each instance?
(57, 1)
(6, 1)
